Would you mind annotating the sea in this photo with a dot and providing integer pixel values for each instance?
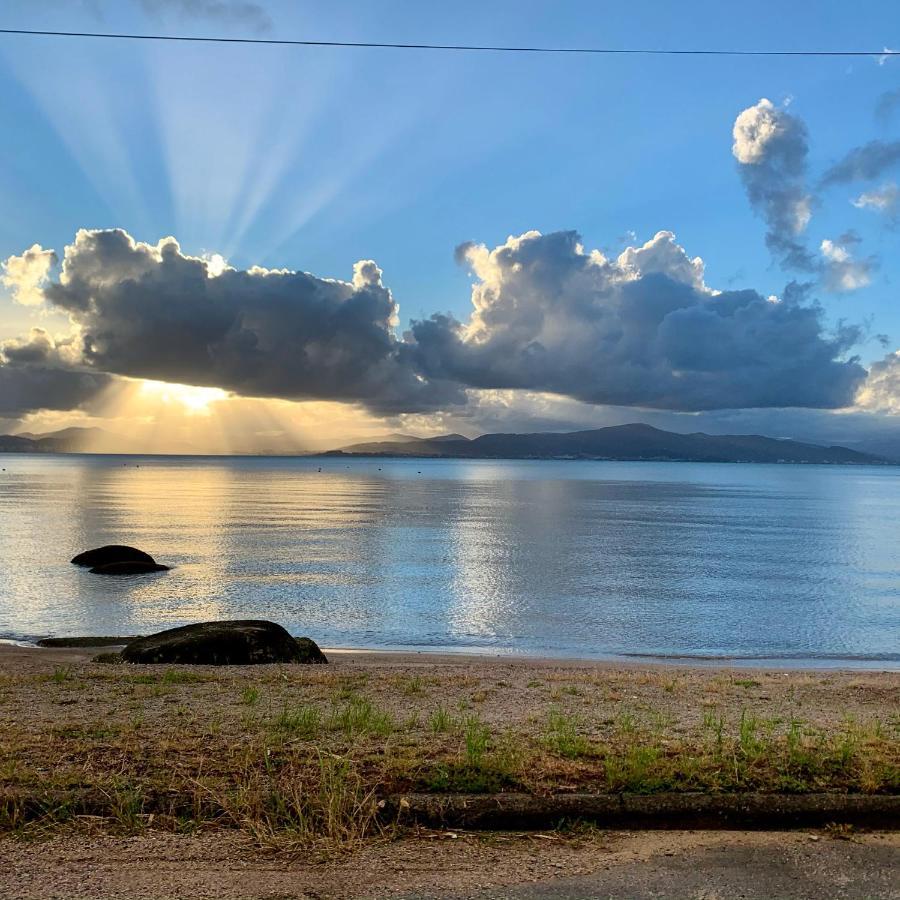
(784, 565)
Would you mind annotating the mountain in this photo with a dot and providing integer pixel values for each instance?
(67, 440)
(637, 442)
(386, 444)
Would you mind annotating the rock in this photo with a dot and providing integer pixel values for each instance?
(237, 643)
(112, 553)
(129, 567)
(310, 652)
(90, 641)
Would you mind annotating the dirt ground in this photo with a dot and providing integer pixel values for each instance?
(678, 864)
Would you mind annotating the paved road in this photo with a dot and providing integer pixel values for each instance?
(814, 871)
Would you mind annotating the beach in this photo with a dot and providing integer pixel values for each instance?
(190, 775)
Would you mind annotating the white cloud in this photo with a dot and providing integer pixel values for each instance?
(884, 199)
(841, 271)
(25, 275)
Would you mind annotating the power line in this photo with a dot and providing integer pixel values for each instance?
(471, 48)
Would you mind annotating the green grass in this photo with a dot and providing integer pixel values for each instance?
(562, 738)
(304, 722)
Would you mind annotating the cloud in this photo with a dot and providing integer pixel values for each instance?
(36, 373)
(885, 199)
(771, 148)
(881, 390)
(150, 311)
(864, 163)
(841, 272)
(24, 275)
(640, 330)
(888, 104)
(228, 12)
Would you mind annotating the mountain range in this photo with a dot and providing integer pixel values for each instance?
(625, 442)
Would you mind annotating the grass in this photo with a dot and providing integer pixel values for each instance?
(562, 737)
(301, 757)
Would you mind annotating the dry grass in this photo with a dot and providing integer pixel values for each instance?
(301, 756)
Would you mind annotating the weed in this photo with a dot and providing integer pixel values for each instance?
(441, 721)
(562, 736)
(250, 695)
(303, 722)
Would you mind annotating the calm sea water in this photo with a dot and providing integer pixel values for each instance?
(588, 559)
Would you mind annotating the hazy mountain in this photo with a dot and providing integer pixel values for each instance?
(620, 442)
(67, 440)
(386, 443)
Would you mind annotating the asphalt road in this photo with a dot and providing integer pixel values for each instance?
(818, 870)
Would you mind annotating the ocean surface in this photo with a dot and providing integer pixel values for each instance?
(759, 563)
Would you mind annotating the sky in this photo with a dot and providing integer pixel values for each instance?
(326, 243)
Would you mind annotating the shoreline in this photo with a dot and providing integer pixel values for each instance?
(318, 754)
(466, 655)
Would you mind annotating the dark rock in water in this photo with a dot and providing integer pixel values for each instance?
(113, 553)
(310, 652)
(130, 567)
(237, 643)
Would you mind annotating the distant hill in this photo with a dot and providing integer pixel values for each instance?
(67, 440)
(625, 442)
(386, 444)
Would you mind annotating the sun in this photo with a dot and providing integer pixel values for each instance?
(192, 399)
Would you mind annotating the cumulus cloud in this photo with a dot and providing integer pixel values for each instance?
(771, 148)
(864, 163)
(229, 12)
(37, 373)
(640, 330)
(841, 272)
(24, 275)
(150, 311)
(881, 390)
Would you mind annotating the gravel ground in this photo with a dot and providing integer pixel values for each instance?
(438, 866)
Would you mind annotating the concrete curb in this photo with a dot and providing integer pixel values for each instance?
(725, 811)
(522, 812)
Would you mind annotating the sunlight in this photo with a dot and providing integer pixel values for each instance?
(194, 400)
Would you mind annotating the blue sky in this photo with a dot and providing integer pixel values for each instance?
(312, 159)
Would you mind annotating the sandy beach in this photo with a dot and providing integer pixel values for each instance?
(198, 768)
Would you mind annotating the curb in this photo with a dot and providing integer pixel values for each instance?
(523, 812)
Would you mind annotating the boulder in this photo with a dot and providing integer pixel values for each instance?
(129, 567)
(112, 553)
(310, 652)
(236, 643)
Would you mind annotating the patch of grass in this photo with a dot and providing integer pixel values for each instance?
(359, 715)
(182, 676)
(441, 721)
(747, 682)
(304, 722)
(482, 766)
(62, 674)
(250, 695)
(562, 738)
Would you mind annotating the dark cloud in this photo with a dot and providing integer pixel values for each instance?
(229, 12)
(641, 330)
(35, 374)
(864, 163)
(152, 312)
(771, 148)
